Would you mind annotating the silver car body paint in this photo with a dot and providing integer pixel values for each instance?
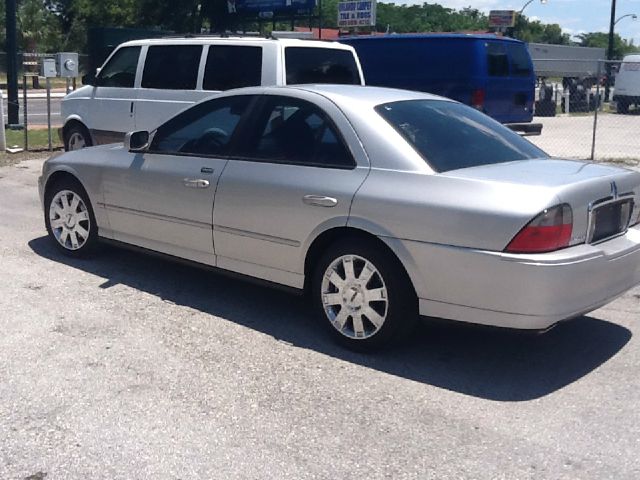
(449, 230)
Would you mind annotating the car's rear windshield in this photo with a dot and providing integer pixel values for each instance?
(320, 65)
(450, 135)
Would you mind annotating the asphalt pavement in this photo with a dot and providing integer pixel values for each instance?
(127, 366)
(37, 111)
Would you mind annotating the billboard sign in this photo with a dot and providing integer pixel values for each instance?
(271, 7)
(502, 18)
(356, 13)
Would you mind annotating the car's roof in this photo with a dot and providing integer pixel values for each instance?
(363, 95)
(208, 40)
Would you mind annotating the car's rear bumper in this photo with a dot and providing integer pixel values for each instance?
(522, 291)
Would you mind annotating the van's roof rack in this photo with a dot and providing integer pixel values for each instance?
(219, 35)
(274, 35)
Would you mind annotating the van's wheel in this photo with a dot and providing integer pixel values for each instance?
(69, 218)
(622, 106)
(76, 137)
(362, 295)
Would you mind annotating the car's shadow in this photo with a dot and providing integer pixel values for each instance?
(487, 363)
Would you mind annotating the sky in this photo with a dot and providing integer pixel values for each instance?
(574, 16)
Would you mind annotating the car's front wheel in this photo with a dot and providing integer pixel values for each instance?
(69, 218)
(362, 295)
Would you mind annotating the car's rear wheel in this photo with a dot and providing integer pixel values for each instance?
(76, 137)
(69, 218)
(362, 295)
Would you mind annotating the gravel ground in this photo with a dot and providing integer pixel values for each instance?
(130, 367)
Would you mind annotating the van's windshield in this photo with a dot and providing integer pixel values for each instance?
(320, 65)
(450, 135)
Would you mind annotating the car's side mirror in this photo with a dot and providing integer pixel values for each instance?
(137, 141)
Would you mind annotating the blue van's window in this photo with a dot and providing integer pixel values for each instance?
(520, 65)
(497, 60)
(450, 136)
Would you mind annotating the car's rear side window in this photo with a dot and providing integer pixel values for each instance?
(497, 60)
(172, 67)
(120, 71)
(320, 65)
(232, 66)
(293, 131)
(450, 135)
(520, 60)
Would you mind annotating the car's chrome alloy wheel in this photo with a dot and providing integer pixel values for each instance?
(76, 141)
(69, 220)
(354, 297)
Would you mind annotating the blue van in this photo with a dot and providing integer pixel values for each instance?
(493, 74)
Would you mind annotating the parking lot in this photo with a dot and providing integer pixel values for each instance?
(571, 136)
(129, 366)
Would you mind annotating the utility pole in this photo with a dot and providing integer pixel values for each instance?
(612, 23)
(12, 64)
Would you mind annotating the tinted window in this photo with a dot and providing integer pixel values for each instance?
(520, 62)
(320, 65)
(295, 131)
(450, 135)
(497, 60)
(174, 67)
(230, 66)
(205, 129)
(120, 71)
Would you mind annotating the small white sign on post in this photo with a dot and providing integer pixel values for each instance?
(356, 13)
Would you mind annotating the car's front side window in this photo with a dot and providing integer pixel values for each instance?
(297, 132)
(205, 129)
(120, 71)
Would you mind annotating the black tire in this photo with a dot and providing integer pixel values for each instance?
(73, 131)
(400, 306)
(64, 243)
(622, 106)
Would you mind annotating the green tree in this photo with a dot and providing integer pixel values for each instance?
(39, 27)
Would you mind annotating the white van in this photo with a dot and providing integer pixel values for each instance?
(627, 86)
(145, 82)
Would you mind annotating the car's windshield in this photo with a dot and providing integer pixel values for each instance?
(449, 135)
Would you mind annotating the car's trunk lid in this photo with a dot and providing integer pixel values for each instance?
(596, 193)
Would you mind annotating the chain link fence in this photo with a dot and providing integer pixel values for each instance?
(593, 117)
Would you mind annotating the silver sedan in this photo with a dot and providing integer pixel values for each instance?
(381, 204)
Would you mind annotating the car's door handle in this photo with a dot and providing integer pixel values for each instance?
(195, 183)
(320, 200)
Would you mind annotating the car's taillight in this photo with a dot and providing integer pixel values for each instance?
(550, 230)
(477, 99)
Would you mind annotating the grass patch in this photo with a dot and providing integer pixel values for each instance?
(38, 139)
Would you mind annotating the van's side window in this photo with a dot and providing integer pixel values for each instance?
(520, 64)
(497, 60)
(172, 67)
(320, 65)
(232, 66)
(121, 69)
